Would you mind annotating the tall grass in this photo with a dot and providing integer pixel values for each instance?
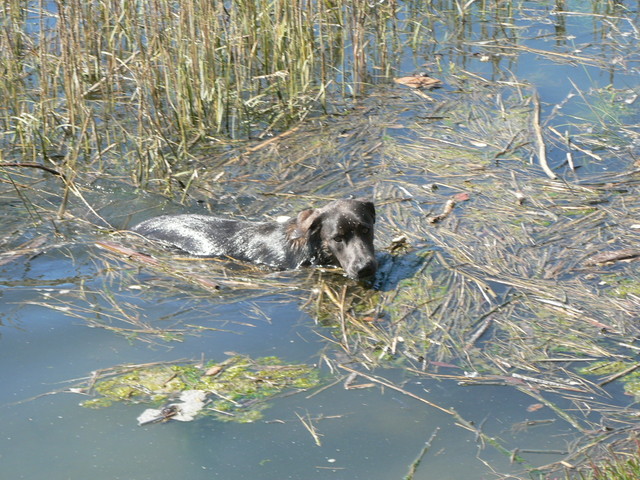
(147, 79)
(133, 85)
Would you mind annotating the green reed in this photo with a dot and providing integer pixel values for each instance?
(134, 85)
(145, 80)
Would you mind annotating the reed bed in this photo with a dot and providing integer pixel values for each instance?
(143, 82)
(133, 88)
(144, 89)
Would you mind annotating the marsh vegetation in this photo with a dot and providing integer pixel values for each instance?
(506, 311)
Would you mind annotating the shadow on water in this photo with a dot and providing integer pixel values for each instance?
(393, 269)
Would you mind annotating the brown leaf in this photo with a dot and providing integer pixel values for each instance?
(534, 406)
(216, 369)
(420, 80)
(461, 197)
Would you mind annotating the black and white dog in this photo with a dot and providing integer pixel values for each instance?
(340, 233)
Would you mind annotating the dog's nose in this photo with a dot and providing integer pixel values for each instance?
(367, 270)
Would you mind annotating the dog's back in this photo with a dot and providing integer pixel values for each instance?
(202, 235)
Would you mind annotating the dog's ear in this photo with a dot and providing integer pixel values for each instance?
(369, 208)
(305, 222)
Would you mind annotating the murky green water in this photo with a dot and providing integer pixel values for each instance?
(63, 305)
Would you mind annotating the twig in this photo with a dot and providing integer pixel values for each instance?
(606, 257)
(418, 460)
(30, 247)
(478, 333)
(311, 429)
(269, 141)
(547, 383)
(542, 149)
(448, 208)
(559, 55)
(573, 145)
(128, 253)
(153, 263)
(341, 307)
(613, 377)
(34, 165)
(558, 411)
(396, 388)
(486, 323)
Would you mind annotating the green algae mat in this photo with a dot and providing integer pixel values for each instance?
(233, 390)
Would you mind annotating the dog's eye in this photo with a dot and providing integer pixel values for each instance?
(338, 238)
(364, 230)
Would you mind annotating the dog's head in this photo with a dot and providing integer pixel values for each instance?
(341, 233)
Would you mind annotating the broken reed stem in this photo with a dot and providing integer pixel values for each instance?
(310, 428)
(618, 375)
(418, 460)
(459, 420)
(396, 388)
(343, 326)
(537, 129)
(448, 208)
(558, 411)
(53, 171)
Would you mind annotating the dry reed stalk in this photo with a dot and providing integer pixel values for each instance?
(387, 384)
(310, 427)
(537, 128)
(181, 73)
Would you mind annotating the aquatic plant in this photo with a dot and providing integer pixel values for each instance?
(233, 390)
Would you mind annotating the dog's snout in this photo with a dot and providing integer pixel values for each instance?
(366, 270)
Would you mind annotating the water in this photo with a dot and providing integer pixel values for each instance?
(56, 301)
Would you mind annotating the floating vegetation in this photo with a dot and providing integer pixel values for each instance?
(508, 287)
(234, 390)
(618, 466)
(624, 371)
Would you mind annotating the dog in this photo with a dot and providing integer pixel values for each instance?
(340, 234)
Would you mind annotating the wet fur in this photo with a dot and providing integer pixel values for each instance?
(340, 233)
